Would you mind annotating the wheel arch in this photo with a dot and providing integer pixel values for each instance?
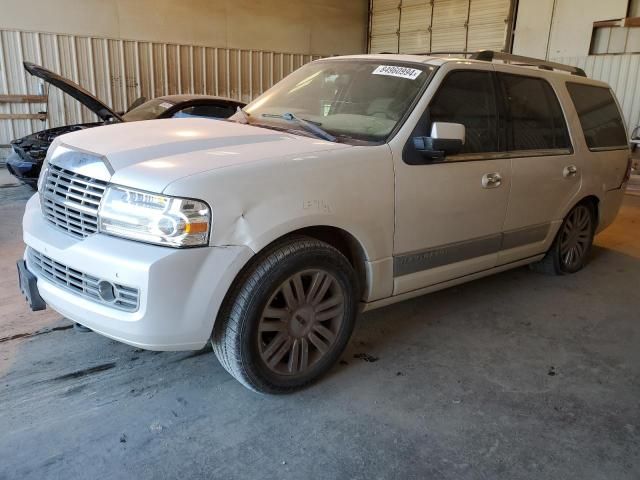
(346, 242)
(594, 202)
(339, 238)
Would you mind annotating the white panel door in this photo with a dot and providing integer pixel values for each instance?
(385, 22)
(415, 26)
(420, 26)
(449, 31)
(488, 21)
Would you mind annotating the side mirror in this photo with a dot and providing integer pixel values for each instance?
(446, 139)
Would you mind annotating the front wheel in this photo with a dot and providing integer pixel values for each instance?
(288, 317)
(570, 249)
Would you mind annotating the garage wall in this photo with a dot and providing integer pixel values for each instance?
(321, 27)
(561, 28)
(121, 50)
(419, 26)
(120, 71)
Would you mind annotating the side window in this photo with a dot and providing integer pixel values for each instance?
(210, 111)
(468, 97)
(599, 116)
(534, 117)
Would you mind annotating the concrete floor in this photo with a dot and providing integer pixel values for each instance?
(510, 377)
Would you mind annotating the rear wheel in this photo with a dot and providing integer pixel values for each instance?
(570, 250)
(288, 317)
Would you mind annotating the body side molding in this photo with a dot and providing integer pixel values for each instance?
(417, 261)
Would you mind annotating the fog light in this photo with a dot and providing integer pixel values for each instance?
(106, 291)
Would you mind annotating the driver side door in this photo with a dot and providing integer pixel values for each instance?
(449, 214)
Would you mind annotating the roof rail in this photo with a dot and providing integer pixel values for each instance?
(491, 55)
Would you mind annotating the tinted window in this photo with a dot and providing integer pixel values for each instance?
(468, 97)
(211, 111)
(534, 117)
(599, 116)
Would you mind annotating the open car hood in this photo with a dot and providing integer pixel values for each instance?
(74, 90)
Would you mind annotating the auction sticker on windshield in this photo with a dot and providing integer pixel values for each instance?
(395, 71)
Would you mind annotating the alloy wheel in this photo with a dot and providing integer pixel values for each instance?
(301, 322)
(576, 238)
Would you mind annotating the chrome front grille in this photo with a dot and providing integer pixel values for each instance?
(124, 298)
(70, 201)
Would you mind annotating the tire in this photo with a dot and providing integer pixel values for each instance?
(295, 299)
(569, 252)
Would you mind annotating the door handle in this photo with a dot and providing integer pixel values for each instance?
(491, 180)
(570, 171)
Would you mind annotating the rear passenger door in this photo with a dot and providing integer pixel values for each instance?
(545, 171)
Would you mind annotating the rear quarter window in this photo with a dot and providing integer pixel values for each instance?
(599, 116)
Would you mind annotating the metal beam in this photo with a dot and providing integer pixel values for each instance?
(23, 99)
(23, 116)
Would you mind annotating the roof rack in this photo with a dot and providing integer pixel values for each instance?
(491, 55)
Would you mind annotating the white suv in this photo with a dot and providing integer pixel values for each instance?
(354, 183)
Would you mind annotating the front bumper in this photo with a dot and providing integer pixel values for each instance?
(181, 290)
(25, 171)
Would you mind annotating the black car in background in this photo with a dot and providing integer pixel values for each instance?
(28, 153)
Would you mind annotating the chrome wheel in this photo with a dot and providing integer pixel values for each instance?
(575, 239)
(301, 322)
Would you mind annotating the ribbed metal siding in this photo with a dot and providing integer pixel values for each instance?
(119, 71)
(619, 71)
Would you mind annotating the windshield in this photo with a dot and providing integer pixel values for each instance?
(358, 100)
(148, 110)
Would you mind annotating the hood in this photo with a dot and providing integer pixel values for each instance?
(151, 154)
(74, 90)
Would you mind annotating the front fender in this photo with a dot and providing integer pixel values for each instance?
(255, 204)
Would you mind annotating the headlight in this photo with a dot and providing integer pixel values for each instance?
(153, 218)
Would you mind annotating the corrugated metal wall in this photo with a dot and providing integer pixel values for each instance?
(119, 71)
(621, 72)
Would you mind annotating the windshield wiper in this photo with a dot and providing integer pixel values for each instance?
(308, 126)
